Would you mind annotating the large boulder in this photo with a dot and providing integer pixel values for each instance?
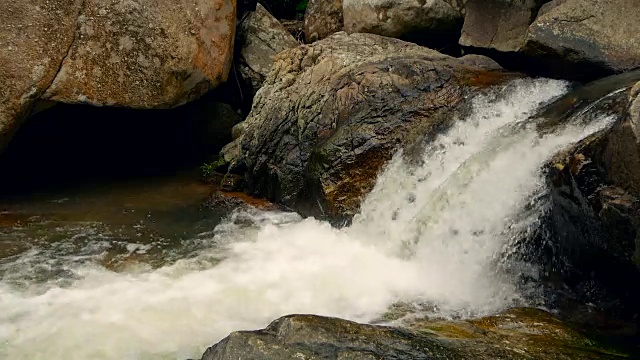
(433, 22)
(589, 236)
(35, 37)
(146, 54)
(585, 39)
(517, 334)
(331, 114)
(322, 18)
(498, 24)
(260, 38)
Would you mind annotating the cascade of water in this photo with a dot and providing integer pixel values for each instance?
(428, 233)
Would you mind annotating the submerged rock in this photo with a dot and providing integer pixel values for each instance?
(331, 114)
(260, 38)
(435, 22)
(516, 334)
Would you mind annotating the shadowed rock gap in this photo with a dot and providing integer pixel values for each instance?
(69, 145)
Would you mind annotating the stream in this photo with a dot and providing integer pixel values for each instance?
(140, 270)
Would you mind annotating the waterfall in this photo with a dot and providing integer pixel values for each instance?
(429, 234)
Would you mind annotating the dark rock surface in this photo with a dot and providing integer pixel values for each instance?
(589, 237)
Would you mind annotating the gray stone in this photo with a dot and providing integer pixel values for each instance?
(332, 113)
(260, 38)
(417, 20)
(498, 24)
(586, 38)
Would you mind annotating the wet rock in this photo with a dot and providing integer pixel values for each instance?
(34, 39)
(331, 114)
(517, 334)
(231, 182)
(228, 201)
(622, 154)
(436, 23)
(584, 39)
(260, 38)
(589, 237)
(322, 18)
(498, 24)
(146, 54)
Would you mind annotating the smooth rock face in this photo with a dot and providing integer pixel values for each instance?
(586, 38)
(322, 18)
(34, 38)
(517, 334)
(331, 114)
(146, 54)
(261, 37)
(423, 21)
(498, 24)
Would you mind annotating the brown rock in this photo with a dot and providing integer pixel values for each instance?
(34, 38)
(146, 54)
(260, 37)
(322, 18)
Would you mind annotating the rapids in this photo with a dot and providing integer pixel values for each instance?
(431, 234)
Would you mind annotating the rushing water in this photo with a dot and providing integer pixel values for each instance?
(430, 235)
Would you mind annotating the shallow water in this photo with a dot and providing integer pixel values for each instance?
(142, 223)
(141, 272)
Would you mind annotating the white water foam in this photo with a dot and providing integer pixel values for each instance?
(426, 235)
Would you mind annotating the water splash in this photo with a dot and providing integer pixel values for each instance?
(426, 234)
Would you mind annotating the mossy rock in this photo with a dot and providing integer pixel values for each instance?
(516, 334)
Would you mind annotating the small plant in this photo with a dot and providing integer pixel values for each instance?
(209, 168)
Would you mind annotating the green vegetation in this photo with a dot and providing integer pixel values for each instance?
(210, 167)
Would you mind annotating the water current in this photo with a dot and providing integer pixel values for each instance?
(431, 235)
